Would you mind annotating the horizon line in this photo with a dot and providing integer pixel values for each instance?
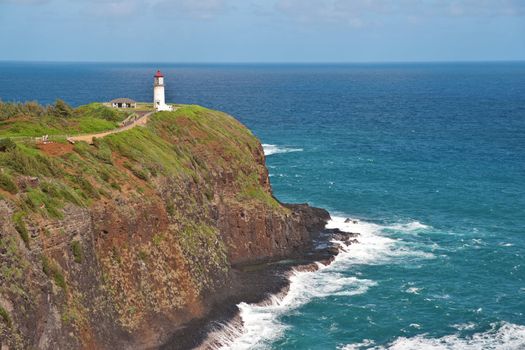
(266, 63)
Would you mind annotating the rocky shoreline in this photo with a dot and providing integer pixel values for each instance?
(147, 237)
(255, 283)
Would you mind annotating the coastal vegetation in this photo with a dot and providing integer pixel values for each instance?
(33, 120)
(134, 218)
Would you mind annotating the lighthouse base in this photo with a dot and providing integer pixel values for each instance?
(163, 107)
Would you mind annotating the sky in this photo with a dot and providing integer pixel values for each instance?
(234, 31)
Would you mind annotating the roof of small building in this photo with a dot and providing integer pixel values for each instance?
(122, 100)
(159, 74)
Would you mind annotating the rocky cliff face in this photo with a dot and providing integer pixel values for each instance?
(120, 244)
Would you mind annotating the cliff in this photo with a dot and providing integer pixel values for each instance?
(122, 243)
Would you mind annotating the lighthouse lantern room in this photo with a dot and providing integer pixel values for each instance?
(159, 101)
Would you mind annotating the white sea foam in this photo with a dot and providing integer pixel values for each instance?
(464, 326)
(413, 290)
(501, 336)
(259, 325)
(409, 227)
(274, 149)
(374, 247)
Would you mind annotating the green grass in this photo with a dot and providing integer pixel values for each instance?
(27, 160)
(53, 270)
(190, 145)
(91, 118)
(52, 126)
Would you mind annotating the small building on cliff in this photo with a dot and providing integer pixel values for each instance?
(123, 103)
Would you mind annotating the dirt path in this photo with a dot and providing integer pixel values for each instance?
(89, 137)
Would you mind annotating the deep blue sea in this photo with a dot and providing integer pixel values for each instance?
(429, 158)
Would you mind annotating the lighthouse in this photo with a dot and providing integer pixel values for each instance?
(159, 101)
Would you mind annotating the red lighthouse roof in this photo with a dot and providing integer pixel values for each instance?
(159, 74)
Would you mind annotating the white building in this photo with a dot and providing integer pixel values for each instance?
(159, 101)
(123, 103)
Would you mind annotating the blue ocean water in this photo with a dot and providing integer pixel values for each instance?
(429, 158)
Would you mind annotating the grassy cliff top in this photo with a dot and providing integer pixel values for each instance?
(192, 144)
(33, 120)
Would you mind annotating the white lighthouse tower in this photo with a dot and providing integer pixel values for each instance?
(159, 101)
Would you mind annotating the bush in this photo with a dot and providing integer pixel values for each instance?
(86, 186)
(97, 110)
(20, 227)
(52, 270)
(28, 161)
(6, 183)
(37, 199)
(140, 173)
(78, 254)
(7, 145)
(62, 109)
(4, 315)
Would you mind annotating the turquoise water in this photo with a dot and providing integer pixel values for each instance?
(430, 158)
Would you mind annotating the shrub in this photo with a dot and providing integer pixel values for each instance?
(37, 199)
(7, 145)
(28, 161)
(115, 186)
(105, 175)
(62, 109)
(4, 315)
(78, 254)
(20, 227)
(140, 173)
(97, 110)
(103, 153)
(6, 183)
(52, 270)
(86, 186)
(170, 208)
(143, 255)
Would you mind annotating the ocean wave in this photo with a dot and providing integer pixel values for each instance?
(501, 336)
(408, 227)
(375, 247)
(259, 325)
(274, 149)
(413, 290)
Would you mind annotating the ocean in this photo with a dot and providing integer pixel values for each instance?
(428, 159)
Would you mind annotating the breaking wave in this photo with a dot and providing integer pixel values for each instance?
(273, 149)
(257, 326)
(501, 336)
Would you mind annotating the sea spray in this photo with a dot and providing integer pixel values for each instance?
(500, 336)
(257, 326)
(274, 149)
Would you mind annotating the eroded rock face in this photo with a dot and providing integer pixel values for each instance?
(149, 255)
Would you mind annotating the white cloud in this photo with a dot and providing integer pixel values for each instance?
(122, 8)
(358, 12)
(24, 2)
(201, 9)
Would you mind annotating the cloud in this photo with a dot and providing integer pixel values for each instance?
(201, 9)
(24, 2)
(104, 8)
(359, 12)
